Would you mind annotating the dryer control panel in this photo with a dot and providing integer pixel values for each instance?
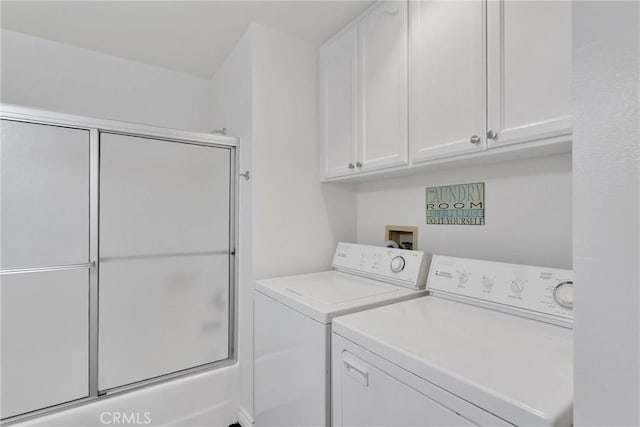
(538, 291)
(398, 266)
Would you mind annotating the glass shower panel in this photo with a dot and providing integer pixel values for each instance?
(164, 272)
(44, 268)
(45, 195)
(45, 342)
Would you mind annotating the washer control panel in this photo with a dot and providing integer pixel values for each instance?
(546, 291)
(398, 266)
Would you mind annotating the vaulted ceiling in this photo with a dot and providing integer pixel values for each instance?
(193, 37)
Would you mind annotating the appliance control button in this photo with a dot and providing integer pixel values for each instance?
(517, 285)
(397, 264)
(487, 282)
(463, 277)
(563, 294)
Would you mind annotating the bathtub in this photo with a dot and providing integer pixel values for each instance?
(204, 399)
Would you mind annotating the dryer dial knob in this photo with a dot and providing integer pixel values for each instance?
(397, 264)
(563, 294)
(517, 286)
(487, 282)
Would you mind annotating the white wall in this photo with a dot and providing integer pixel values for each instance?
(606, 114)
(53, 76)
(296, 221)
(232, 106)
(528, 212)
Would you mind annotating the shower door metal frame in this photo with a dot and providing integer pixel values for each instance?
(95, 127)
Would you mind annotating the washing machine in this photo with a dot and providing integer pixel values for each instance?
(491, 345)
(292, 326)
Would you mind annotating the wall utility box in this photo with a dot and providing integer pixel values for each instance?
(405, 236)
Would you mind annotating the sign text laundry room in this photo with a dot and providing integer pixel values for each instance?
(460, 204)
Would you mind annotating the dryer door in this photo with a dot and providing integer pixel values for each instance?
(368, 390)
(371, 397)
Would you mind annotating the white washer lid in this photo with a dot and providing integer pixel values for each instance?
(322, 296)
(519, 369)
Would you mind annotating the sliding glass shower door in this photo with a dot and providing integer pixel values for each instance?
(165, 257)
(44, 267)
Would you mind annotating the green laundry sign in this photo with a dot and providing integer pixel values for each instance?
(461, 204)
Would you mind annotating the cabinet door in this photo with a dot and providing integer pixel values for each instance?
(529, 70)
(447, 78)
(45, 195)
(338, 106)
(382, 35)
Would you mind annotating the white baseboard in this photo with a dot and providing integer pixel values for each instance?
(244, 418)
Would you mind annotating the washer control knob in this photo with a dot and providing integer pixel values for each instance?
(463, 277)
(517, 285)
(397, 264)
(563, 294)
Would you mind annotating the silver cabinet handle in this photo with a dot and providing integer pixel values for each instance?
(351, 166)
(358, 164)
(492, 134)
(475, 139)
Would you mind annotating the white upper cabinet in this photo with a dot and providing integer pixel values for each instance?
(363, 93)
(338, 103)
(529, 70)
(409, 83)
(448, 57)
(382, 35)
